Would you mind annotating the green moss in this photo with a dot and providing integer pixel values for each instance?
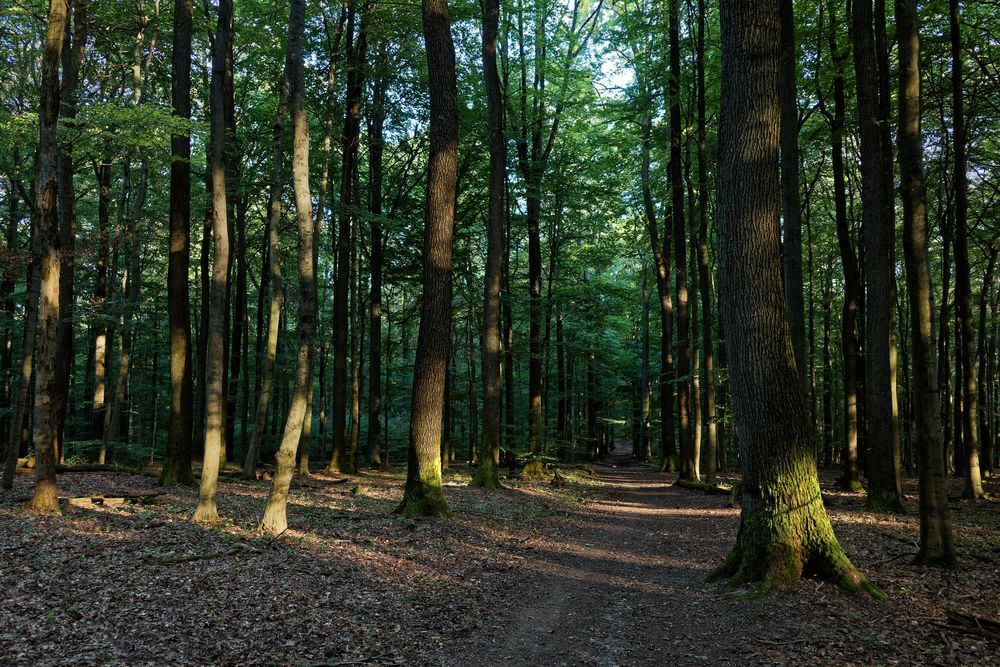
(421, 499)
(533, 469)
(886, 503)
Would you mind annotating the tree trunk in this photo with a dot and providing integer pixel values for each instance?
(206, 511)
(987, 405)
(963, 291)
(884, 484)
(277, 291)
(935, 529)
(688, 469)
(376, 145)
(784, 529)
(423, 495)
(709, 412)
(274, 520)
(47, 408)
(488, 470)
(341, 308)
(177, 464)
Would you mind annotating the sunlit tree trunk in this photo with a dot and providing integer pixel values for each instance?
(274, 520)
(215, 351)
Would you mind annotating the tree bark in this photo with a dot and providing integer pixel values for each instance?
(177, 464)
(206, 511)
(47, 408)
(963, 291)
(376, 145)
(784, 529)
(274, 520)
(935, 529)
(423, 495)
(883, 462)
(488, 470)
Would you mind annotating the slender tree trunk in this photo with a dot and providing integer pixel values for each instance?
(688, 469)
(963, 292)
(982, 379)
(784, 529)
(274, 520)
(704, 272)
(488, 470)
(277, 292)
(376, 145)
(206, 511)
(935, 529)
(72, 58)
(827, 383)
(423, 495)
(177, 464)
(356, 48)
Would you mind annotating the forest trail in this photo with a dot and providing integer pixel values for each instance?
(623, 582)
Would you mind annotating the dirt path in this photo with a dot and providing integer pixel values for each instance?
(624, 583)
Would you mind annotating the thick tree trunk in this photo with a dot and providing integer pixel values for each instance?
(488, 470)
(206, 511)
(47, 408)
(423, 495)
(883, 462)
(935, 529)
(274, 520)
(784, 530)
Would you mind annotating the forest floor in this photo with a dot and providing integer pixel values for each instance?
(606, 569)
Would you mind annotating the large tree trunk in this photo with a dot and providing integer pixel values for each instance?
(177, 464)
(274, 265)
(884, 488)
(47, 408)
(423, 495)
(356, 48)
(215, 356)
(488, 470)
(784, 530)
(274, 520)
(935, 528)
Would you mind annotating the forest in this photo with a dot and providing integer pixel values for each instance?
(509, 332)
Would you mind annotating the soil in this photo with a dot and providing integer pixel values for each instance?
(606, 569)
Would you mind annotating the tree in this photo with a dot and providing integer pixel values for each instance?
(488, 471)
(215, 397)
(878, 231)
(936, 545)
(177, 464)
(784, 530)
(274, 520)
(423, 495)
(45, 432)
